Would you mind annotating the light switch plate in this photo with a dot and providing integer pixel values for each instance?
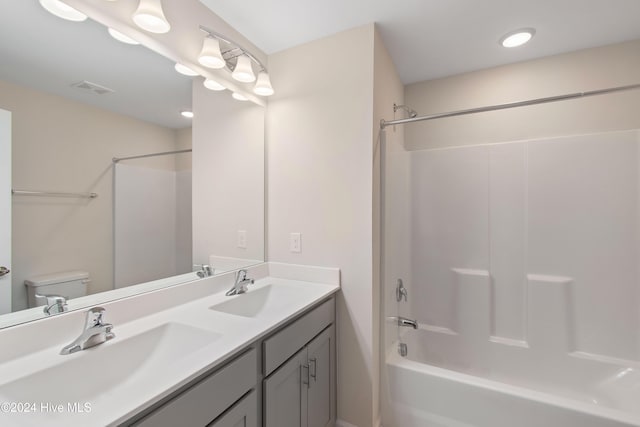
(242, 239)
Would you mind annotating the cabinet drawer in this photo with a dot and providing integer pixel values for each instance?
(206, 400)
(285, 343)
(242, 414)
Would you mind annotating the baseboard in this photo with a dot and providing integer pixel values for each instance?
(341, 423)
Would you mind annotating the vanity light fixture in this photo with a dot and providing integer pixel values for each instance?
(213, 85)
(183, 69)
(187, 114)
(210, 55)
(237, 59)
(243, 71)
(121, 37)
(63, 10)
(150, 17)
(518, 37)
(263, 85)
(239, 97)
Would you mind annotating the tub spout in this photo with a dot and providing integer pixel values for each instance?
(403, 321)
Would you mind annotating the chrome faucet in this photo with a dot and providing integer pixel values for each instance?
(95, 332)
(203, 270)
(403, 321)
(55, 304)
(241, 284)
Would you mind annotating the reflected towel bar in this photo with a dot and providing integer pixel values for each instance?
(53, 194)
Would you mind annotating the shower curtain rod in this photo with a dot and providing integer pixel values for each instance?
(164, 153)
(384, 123)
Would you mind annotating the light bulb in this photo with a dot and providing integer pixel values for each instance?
(150, 17)
(243, 71)
(210, 55)
(213, 85)
(517, 38)
(263, 85)
(121, 37)
(63, 10)
(239, 96)
(183, 69)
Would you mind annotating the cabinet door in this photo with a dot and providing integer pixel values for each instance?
(321, 406)
(285, 403)
(242, 414)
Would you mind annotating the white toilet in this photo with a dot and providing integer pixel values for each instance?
(69, 284)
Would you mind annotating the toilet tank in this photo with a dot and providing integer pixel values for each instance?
(69, 284)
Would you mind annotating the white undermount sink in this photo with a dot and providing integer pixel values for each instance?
(108, 367)
(259, 301)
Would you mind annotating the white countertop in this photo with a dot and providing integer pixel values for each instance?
(113, 400)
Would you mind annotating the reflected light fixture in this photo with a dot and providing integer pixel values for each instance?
(213, 85)
(121, 37)
(62, 10)
(187, 114)
(210, 55)
(239, 96)
(263, 85)
(150, 17)
(518, 37)
(183, 69)
(243, 71)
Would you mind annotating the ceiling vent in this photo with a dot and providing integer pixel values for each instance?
(96, 88)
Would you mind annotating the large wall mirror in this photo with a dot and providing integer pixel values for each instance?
(78, 99)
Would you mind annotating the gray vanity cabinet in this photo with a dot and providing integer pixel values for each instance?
(321, 378)
(224, 398)
(283, 394)
(284, 380)
(301, 391)
(242, 414)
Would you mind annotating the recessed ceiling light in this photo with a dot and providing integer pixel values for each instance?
(517, 37)
(187, 114)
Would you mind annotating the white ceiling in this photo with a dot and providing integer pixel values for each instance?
(428, 39)
(47, 53)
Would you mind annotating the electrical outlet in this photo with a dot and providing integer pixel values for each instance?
(295, 242)
(242, 239)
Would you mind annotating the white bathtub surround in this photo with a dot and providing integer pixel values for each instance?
(147, 228)
(178, 314)
(531, 242)
(524, 283)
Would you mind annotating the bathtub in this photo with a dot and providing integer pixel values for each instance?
(442, 384)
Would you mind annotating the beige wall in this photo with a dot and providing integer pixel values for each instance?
(387, 90)
(581, 71)
(62, 145)
(228, 176)
(319, 174)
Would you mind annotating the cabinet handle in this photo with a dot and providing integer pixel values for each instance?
(4, 271)
(305, 374)
(313, 373)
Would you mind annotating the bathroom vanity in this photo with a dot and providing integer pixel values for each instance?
(189, 356)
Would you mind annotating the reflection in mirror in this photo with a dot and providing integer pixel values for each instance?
(79, 98)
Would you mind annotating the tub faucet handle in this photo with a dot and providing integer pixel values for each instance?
(401, 291)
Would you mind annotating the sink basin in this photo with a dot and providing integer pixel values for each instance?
(105, 368)
(259, 301)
